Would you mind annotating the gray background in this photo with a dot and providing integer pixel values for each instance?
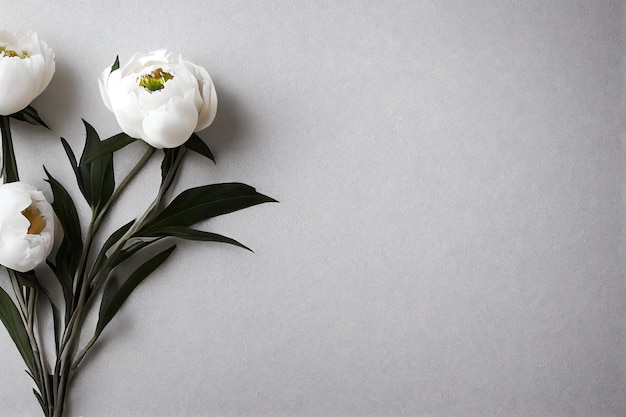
(449, 240)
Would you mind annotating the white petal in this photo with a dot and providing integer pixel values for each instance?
(21, 80)
(208, 109)
(172, 125)
(14, 198)
(102, 83)
(124, 104)
(13, 251)
(164, 118)
(18, 249)
(16, 85)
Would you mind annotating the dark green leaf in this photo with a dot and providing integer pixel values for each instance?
(192, 234)
(10, 316)
(110, 145)
(132, 246)
(68, 254)
(41, 402)
(29, 115)
(196, 144)
(113, 239)
(74, 164)
(171, 161)
(113, 298)
(116, 64)
(9, 163)
(56, 320)
(98, 176)
(202, 203)
(28, 279)
(68, 217)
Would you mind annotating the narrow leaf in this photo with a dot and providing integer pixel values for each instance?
(56, 320)
(113, 298)
(110, 145)
(98, 175)
(27, 279)
(116, 64)
(132, 246)
(67, 214)
(41, 401)
(74, 164)
(10, 316)
(29, 115)
(113, 239)
(9, 164)
(196, 144)
(68, 254)
(192, 234)
(202, 203)
(170, 157)
(30, 279)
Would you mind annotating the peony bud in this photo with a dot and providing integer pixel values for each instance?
(26, 226)
(160, 98)
(26, 68)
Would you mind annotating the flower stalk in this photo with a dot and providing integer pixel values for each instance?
(92, 275)
(9, 164)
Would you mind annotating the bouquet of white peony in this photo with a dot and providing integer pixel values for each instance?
(156, 97)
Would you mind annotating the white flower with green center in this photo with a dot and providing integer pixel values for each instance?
(160, 98)
(27, 224)
(26, 68)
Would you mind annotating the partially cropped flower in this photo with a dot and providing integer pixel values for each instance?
(160, 98)
(26, 68)
(26, 226)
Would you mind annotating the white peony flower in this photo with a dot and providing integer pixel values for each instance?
(26, 68)
(26, 226)
(160, 98)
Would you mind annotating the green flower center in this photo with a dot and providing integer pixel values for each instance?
(10, 53)
(155, 80)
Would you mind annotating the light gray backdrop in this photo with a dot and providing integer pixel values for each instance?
(449, 237)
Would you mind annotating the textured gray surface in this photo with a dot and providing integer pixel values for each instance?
(449, 238)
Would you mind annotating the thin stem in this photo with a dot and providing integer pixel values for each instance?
(152, 209)
(32, 316)
(18, 293)
(118, 191)
(81, 287)
(28, 309)
(9, 164)
(79, 277)
(100, 277)
(81, 355)
(71, 335)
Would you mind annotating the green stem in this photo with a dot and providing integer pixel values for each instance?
(28, 309)
(100, 278)
(32, 317)
(81, 286)
(140, 164)
(9, 163)
(71, 336)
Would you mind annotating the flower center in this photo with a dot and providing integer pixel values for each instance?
(10, 53)
(37, 222)
(155, 80)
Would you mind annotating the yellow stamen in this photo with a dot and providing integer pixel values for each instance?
(10, 53)
(155, 80)
(37, 221)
